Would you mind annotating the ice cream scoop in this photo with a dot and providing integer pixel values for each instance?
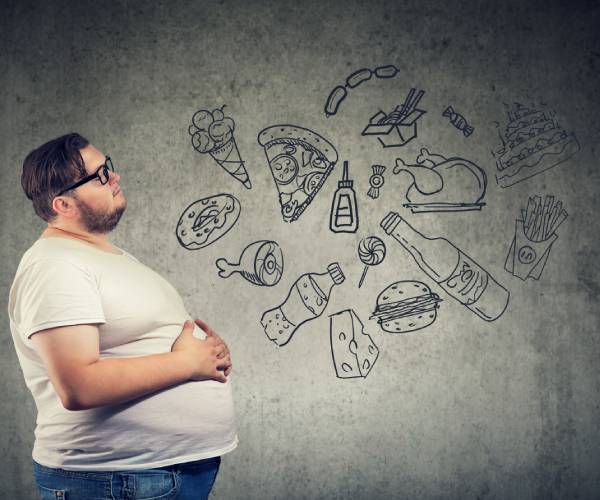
(212, 133)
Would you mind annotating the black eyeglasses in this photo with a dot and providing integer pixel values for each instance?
(102, 174)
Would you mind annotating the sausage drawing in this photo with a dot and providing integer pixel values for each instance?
(339, 93)
(358, 77)
(334, 100)
(389, 71)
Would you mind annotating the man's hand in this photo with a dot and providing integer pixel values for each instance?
(211, 333)
(209, 359)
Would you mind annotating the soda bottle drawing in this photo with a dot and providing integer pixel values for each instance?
(457, 273)
(306, 300)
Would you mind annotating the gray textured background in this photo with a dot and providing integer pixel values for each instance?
(463, 409)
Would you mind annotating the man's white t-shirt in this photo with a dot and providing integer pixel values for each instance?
(62, 282)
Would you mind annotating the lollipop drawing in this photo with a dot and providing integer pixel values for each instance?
(371, 252)
(212, 132)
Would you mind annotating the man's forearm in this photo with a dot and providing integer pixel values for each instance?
(118, 380)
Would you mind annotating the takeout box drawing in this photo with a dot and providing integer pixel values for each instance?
(400, 126)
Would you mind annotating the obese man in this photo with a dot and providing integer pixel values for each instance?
(133, 398)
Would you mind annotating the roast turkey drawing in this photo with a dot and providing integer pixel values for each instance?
(441, 184)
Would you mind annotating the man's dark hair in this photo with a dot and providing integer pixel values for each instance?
(50, 168)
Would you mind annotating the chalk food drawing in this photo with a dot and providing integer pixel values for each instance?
(406, 306)
(399, 127)
(261, 263)
(343, 217)
(371, 252)
(300, 161)
(206, 220)
(212, 133)
(453, 270)
(306, 300)
(376, 181)
(532, 142)
(458, 120)
(535, 233)
(352, 349)
(441, 184)
(358, 77)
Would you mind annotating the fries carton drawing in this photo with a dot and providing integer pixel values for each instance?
(535, 232)
(398, 127)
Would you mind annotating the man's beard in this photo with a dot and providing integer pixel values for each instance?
(96, 221)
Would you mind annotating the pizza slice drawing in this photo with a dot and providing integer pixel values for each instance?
(300, 162)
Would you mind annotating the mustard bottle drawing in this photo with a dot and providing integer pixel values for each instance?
(457, 273)
(344, 209)
(306, 300)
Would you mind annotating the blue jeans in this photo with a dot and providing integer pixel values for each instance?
(186, 481)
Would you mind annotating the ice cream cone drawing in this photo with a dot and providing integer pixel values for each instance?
(212, 132)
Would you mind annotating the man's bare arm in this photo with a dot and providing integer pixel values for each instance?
(83, 380)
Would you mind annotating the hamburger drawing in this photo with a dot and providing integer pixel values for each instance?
(406, 306)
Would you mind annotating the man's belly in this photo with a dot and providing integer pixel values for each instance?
(187, 419)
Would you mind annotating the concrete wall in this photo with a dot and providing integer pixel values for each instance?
(461, 409)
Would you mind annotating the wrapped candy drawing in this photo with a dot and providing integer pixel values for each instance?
(212, 132)
(442, 184)
(261, 263)
(458, 120)
(376, 181)
(535, 232)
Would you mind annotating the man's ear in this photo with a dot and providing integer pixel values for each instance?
(64, 206)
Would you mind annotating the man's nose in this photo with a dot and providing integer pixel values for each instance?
(113, 177)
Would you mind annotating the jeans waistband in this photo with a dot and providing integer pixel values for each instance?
(196, 464)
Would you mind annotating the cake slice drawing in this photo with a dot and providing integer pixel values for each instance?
(300, 161)
(532, 142)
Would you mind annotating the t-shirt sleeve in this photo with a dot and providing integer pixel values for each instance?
(52, 293)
